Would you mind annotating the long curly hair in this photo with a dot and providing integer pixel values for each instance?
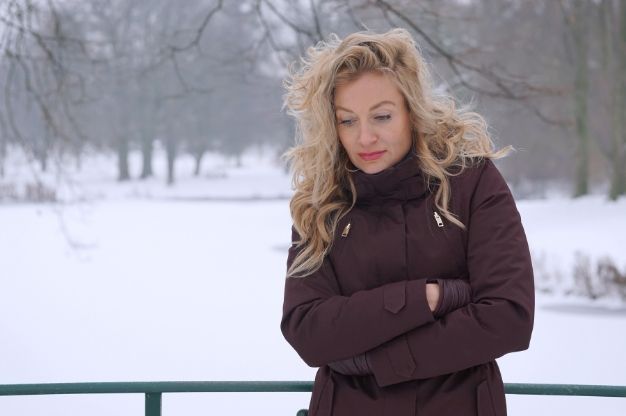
(446, 138)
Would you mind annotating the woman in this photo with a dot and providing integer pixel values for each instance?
(409, 271)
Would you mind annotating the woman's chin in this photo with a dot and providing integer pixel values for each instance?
(373, 166)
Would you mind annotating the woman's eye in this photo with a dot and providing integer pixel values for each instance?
(384, 118)
(345, 122)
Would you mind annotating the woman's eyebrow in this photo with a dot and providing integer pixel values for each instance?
(371, 108)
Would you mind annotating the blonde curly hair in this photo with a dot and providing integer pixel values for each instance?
(445, 137)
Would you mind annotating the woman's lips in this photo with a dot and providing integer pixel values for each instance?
(371, 156)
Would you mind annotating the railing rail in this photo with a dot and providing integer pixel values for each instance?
(153, 390)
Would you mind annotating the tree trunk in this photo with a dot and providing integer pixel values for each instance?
(580, 95)
(146, 153)
(122, 160)
(3, 156)
(618, 178)
(622, 88)
(170, 149)
(42, 157)
(78, 159)
(618, 182)
(615, 65)
(198, 159)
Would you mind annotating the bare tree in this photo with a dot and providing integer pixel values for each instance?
(122, 76)
(613, 24)
(38, 81)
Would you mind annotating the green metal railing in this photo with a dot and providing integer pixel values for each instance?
(154, 391)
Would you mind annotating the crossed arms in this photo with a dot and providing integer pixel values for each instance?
(394, 326)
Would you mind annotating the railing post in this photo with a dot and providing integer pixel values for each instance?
(153, 404)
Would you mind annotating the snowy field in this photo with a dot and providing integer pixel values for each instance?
(141, 282)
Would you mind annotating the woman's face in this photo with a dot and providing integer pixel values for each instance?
(372, 122)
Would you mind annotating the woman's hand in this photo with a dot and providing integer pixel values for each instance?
(354, 366)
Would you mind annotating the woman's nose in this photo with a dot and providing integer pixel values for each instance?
(367, 135)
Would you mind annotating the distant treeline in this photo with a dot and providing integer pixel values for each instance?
(205, 75)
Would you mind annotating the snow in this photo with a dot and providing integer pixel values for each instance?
(144, 282)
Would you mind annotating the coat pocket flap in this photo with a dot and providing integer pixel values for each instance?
(395, 296)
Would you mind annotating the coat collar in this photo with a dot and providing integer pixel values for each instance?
(402, 181)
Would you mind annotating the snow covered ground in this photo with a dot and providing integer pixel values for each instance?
(141, 282)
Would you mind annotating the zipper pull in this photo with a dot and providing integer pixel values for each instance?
(438, 219)
(346, 230)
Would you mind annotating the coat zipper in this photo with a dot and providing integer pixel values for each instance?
(346, 230)
(438, 219)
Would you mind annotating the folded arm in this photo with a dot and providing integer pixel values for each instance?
(500, 317)
(324, 326)
(451, 294)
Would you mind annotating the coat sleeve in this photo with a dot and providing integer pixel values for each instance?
(500, 317)
(324, 326)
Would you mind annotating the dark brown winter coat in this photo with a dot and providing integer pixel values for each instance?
(369, 295)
